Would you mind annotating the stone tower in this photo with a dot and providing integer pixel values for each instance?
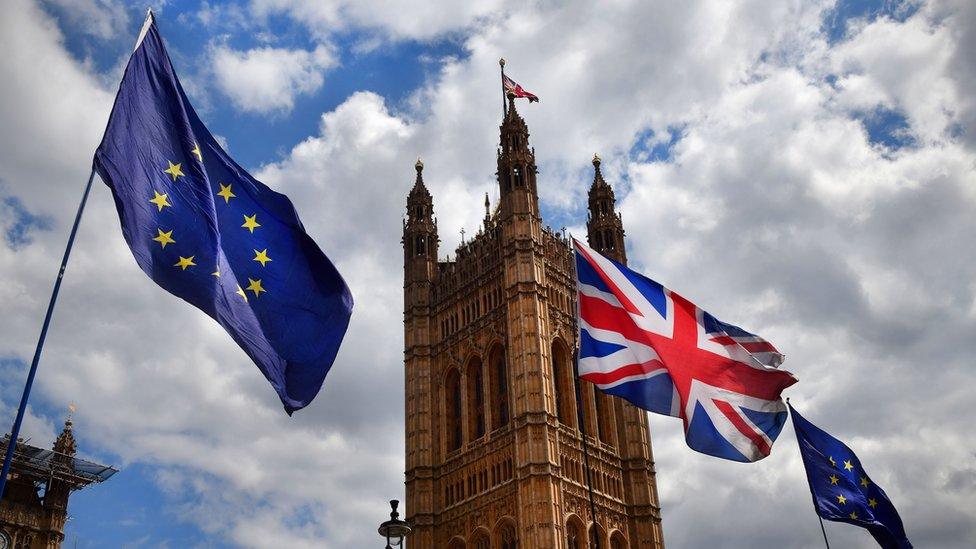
(34, 505)
(494, 452)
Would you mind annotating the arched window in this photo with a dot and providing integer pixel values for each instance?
(480, 540)
(420, 246)
(452, 390)
(574, 534)
(597, 532)
(563, 384)
(507, 536)
(498, 371)
(617, 541)
(456, 543)
(517, 173)
(476, 400)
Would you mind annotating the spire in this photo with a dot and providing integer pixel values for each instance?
(605, 227)
(487, 210)
(419, 190)
(598, 180)
(65, 443)
(419, 226)
(516, 166)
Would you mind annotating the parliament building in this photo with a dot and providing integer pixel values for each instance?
(34, 503)
(494, 449)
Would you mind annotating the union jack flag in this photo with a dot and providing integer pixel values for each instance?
(654, 348)
(515, 88)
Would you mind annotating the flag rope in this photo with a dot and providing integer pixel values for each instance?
(15, 432)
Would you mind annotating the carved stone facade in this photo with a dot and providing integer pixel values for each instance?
(34, 505)
(494, 453)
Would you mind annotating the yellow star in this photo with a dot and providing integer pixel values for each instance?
(164, 238)
(833, 479)
(848, 466)
(872, 503)
(262, 256)
(240, 292)
(251, 223)
(853, 515)
(865, 482)
(832, 462)
(185, 262)
(196, 151)
(255, 287)
(174, 170)
(226, 193)
(160, 200)
(841, 499)
(216, 273)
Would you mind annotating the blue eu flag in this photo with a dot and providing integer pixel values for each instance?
(842, 490)
(205, 230)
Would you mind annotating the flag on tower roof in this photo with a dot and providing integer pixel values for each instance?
(517, 90)
(647, 344)
(205, 230)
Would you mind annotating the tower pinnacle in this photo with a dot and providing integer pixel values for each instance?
(604, 228)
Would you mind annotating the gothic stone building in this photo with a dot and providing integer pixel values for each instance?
(494, 455)
(34, 504)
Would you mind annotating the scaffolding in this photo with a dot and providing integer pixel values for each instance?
(33, 462)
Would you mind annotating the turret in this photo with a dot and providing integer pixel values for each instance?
(516, 166)
(56, 495)
(604, 226)
(419, 233)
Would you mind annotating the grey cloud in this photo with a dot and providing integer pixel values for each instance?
(774, 212)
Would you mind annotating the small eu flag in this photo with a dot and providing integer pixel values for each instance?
(206, 231)
(842, 490)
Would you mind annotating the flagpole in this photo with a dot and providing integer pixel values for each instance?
(15, 432)
(823, 530)
(501, 63)
(586, 447)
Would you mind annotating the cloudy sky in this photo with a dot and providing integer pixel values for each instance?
(803, 168)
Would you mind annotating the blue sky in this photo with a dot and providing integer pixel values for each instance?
(780, 149)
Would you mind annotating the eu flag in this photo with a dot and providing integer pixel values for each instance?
(206, 231)
(842, 490)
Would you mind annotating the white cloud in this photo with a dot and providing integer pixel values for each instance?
(267, 79)
(774, 211)
(99, 18)
(402, 19)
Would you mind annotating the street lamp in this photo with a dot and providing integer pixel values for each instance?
(394, 530)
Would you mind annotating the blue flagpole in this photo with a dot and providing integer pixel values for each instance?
(15, 432)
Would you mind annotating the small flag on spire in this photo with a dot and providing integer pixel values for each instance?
(516, 89)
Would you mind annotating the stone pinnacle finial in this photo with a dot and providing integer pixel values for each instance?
(596, 159)
(419, 165)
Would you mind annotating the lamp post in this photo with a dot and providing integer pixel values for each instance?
(394, 530)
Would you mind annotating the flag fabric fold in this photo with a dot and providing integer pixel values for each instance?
(842, 491)
(652, 347)
(517, 90)
(206, 231)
